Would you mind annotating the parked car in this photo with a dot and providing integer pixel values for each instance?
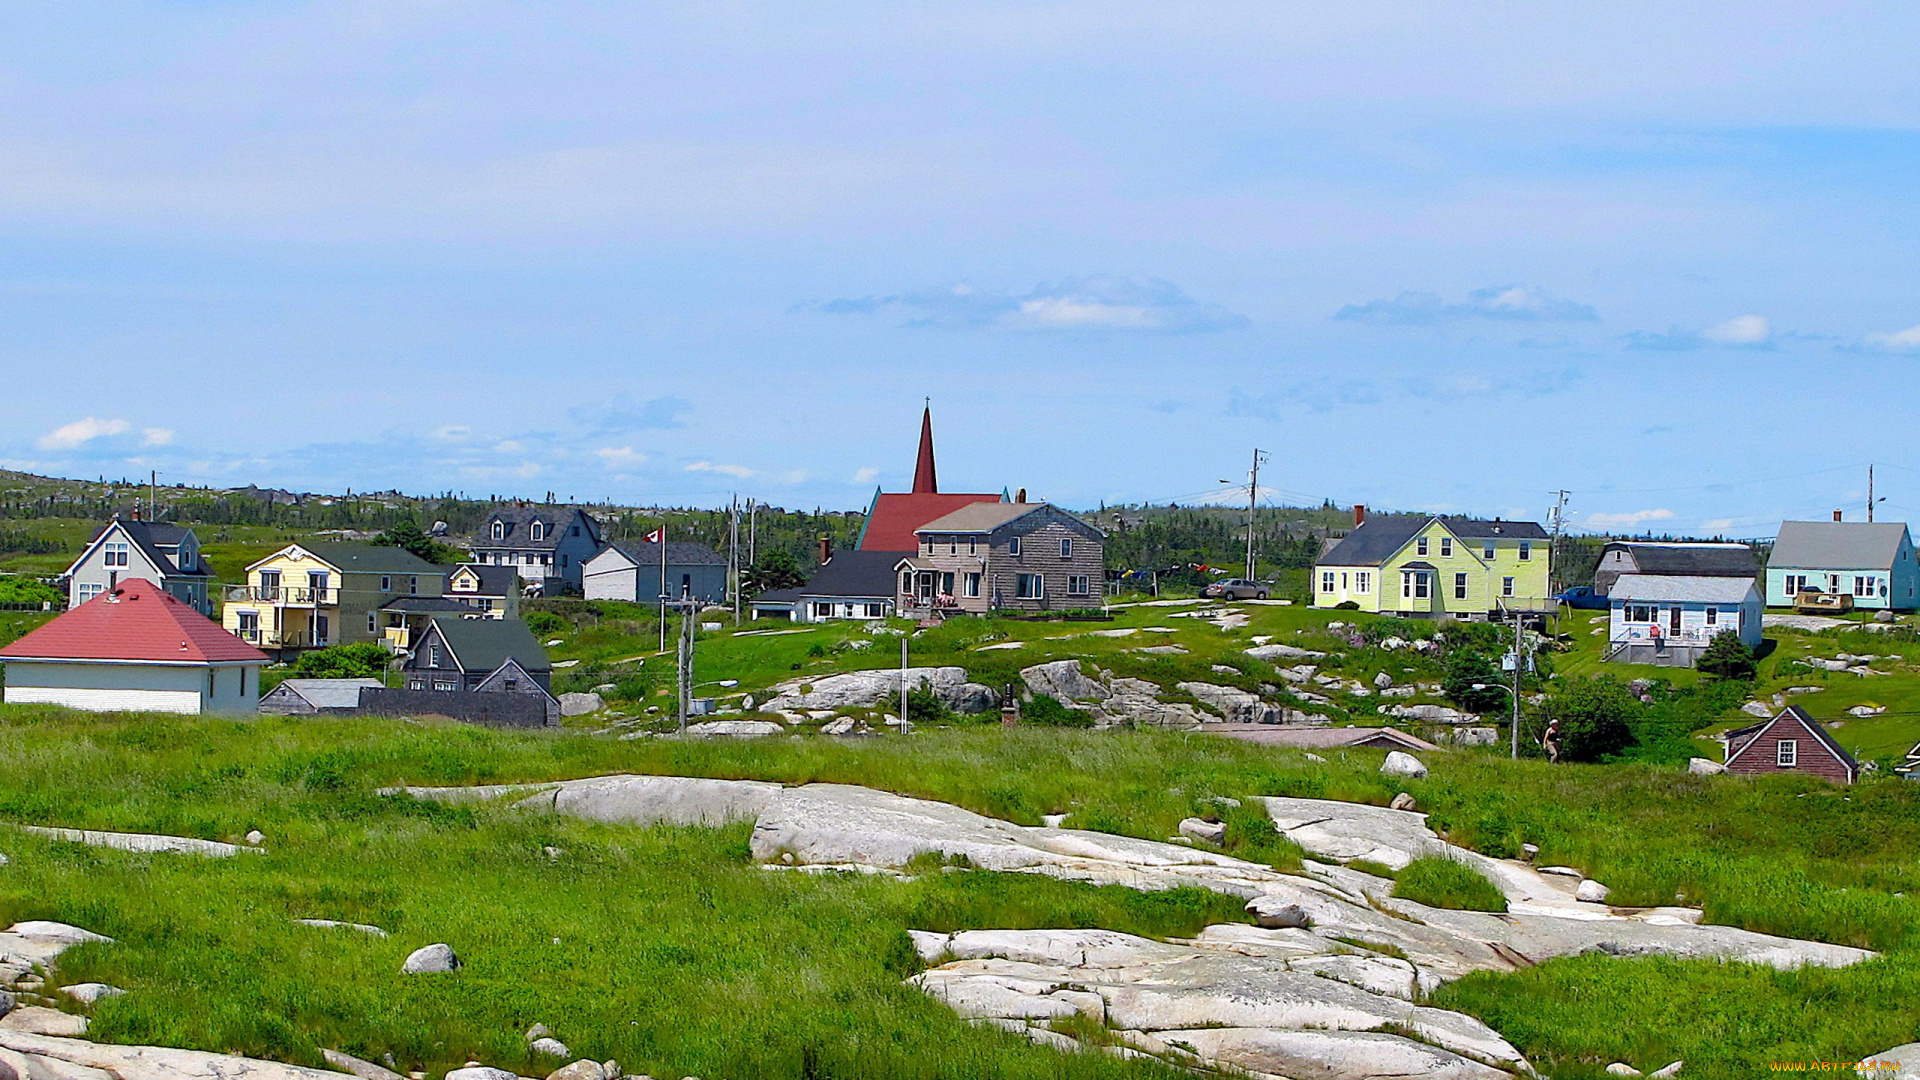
(1584, 598)
(1236, 589)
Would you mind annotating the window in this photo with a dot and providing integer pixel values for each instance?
(823, 609)
(1639, 613)
(1506, 586)
(1446, 547)
(1526, 550)
(211, 685)
(1864, 585)
(1713, 616)
(576, 530)
(116, 554)
(445, 684)
(1487, 551)
(498, 530)
(1362, 581)
(1787, 753)
(1066, 549)
(1326, 581)
(1459, 586)
(1414, 585)
(1794, 584)
(416, 684)
(1421, 586)
(953, 545)
(537, 531)
(386, 583)
(906, 581)
(433, 656)
(1077, 585)
(373, 622)
(249, 624)
(88, 592)
(929, 543)
(876, 611)
(1013, 545)
(1420, 546)
(1029, 586)
(973, 545)
(970, 585)
(413, 586)
(486, 604)
(946, 583)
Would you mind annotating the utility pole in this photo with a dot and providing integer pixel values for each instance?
(684, 656)
(1253, 494)
(903, 684)
(1869, 492)
(153, 483)
(1518, 666)
(733, 556)
(1553, 546)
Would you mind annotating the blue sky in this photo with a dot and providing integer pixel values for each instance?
(1428, 256)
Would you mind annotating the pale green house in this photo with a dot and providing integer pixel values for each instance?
(1429, 566)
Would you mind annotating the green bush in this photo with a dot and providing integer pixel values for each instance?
(1596, 717)
(360, 660)
(544, 623)
(1468, 668)
(1447, 883)
(1726, 657)
(26, 590)
(925, 708)
(1046, 710)
(1347, 605)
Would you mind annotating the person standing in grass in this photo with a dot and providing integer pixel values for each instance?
(1550, 741)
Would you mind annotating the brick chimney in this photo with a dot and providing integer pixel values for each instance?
(1359, 514)
(1836, 515)
(826, 548)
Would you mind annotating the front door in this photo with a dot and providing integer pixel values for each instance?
(1673, 622)
(320, 636)
(925, 587)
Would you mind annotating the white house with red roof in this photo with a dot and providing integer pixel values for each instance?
(136, 648)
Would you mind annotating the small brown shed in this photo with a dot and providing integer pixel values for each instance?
(1791, 742)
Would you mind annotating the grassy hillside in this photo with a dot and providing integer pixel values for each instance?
(668, 950)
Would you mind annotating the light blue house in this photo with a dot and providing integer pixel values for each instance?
(1873, 562)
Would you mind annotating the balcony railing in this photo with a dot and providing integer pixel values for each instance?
(282, 594)
(281, 639)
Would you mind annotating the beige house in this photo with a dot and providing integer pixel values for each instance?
(307, 596)
(1003, 557)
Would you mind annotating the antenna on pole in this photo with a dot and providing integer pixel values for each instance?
(1253, 494)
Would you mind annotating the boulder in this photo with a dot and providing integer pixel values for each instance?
(581, 704)
(90, 993)
(1327, 1055)
(431, 960)
(256, 837)
(1432, 714)
(1591, 892)
(329, 924)
(580, 1070)
(1469, 736)
(549, 1046)
(1621, 1068)
(36, 1020)
(1283, 652)
(1864, 711)
(1667, 1071)
(1757, 708)
(480, 1072)
(69, 1058)
(845, 725)
(365, 1070)
(1902, 1060)
(7, 1002)
(735, 729)
(1382, 681)
(1705, 767)
(1062, 680)
(1402, 801)
(868, 689)
(1236, 705)
(1207, 832)
(1399, 763)
(141, 843)
(1278, 912)
(1881, 616)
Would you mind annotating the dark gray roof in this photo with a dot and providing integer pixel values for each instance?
(1378, 537)
(424, 603)
(1837, 545)
(327, 693)
(856, 573)
(481, 645)
(370, 558)
(517, 519)
(496, 579)
(778, 596)
(1691, 560)
(679, 553)
(159, 541)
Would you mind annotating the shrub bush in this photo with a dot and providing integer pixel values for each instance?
(1727, 657)
(545, 623)
(1046, 710)
(360, 660)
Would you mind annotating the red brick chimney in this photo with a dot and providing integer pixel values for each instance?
(826, 548)
(1359, 514)
(1836, 515)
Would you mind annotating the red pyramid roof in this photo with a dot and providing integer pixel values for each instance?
(137, 621)
(891, 523)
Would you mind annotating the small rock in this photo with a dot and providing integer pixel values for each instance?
(1621, 1068)
(7, 1002)
(1867, 710)
(1881, 616)
(365, 1070)
(331, 924)
(554, 854)
(1382, 681)
(1402, 801)
(1705, 767)
(1668, 1072)
(1562, 871)
(1310, 756)
(551, 1047)
(36, 1020)
(554, 642)
(1207, 832)
(480, 1072)
(1529, 851)
(431, 960)
(1592, 892)
(1053, 821)
(1399, 763)
(1757, 708)
(538, 1031)
(255, 837)
(89, 993)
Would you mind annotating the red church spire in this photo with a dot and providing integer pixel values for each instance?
(924, 481)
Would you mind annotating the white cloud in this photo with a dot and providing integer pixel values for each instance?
(620, 457)
(1717, 524)
(156, 436)
(509, 446)
(81, 431)
(1742, 330)
(740, 472)
(1635, 517)
(1508, 303)
(452, 433)
(866, 475)
(1907, 340)
(1067, 313)
(1100, 303)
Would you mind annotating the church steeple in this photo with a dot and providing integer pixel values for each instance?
(924, 481)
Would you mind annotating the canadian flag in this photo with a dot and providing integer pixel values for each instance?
(656, 536)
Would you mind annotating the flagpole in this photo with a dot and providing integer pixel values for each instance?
(663, 582)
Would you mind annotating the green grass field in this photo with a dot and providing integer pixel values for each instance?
(668, 950)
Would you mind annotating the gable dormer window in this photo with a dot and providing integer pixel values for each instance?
(499, 531)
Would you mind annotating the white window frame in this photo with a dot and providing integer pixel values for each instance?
(1459, 586)
(1066, 547)
(1013, 545)
(1713, 615)
(537, 530)
(1079, 585)
(1362, 582)
(970, 583)
(1326, 581)
(1038, 590)
(1506, 586)
(1446, 547)
(1487, 550)
(1420, 547)
(498, 530)
(1786, 754)
(1526, 550)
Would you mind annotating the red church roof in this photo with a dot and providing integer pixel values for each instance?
(137, 621)
(893, 518)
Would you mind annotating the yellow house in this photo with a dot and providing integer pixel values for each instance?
(1436, 567)
(306, 596)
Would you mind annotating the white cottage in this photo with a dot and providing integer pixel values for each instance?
(1669, 620)
(136, 648)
